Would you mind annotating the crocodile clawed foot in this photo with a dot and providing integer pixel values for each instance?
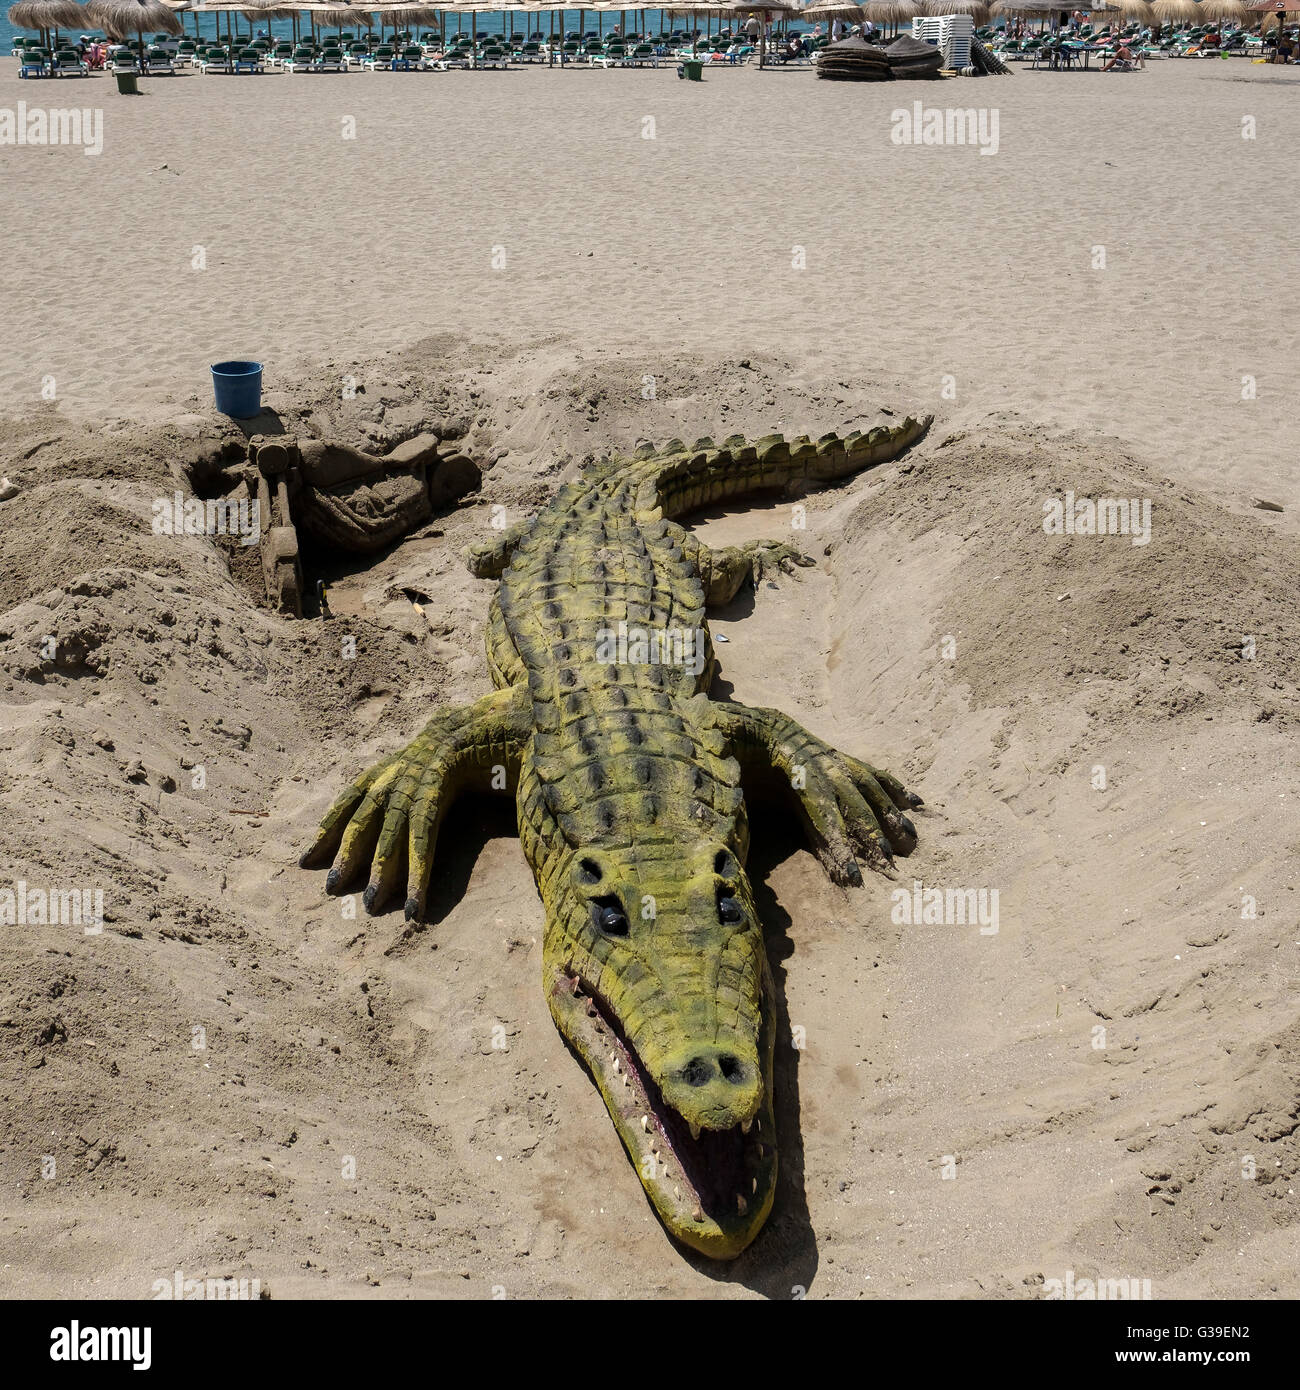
(850, 808)
(846, 818)
(770, 556)
(388, 818)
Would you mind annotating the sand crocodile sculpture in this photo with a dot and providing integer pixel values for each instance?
(628, 781)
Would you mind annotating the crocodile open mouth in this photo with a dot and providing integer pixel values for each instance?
(712, 1188)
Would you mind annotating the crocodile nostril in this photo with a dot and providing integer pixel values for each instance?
(732, 1068)
(703, 1068)
(697, 1072)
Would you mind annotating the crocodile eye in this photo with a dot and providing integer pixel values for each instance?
(609, 917)
(730, 911)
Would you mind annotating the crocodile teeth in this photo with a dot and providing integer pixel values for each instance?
(695, 1131)
(747, 1125)
(613, 1057)
(753, 1185)
(742, 1206)
(698, 1214)
(677, 1192)
(645, 1123)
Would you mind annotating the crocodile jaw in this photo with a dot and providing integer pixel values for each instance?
(713, 1194)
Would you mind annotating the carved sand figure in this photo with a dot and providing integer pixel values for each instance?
(628, 783)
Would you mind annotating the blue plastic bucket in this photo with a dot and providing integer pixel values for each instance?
(238, 388)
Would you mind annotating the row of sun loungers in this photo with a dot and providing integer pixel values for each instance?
(262, 56)
(429, 53)
(1184, 43)
(36, 62)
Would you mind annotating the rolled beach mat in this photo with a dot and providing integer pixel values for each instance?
(853, 60)
(909, 57)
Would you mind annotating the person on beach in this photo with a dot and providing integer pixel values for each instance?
(752, 27)
(1285, 47)
(1124, 54)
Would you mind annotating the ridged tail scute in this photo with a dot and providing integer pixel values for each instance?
(679, 478)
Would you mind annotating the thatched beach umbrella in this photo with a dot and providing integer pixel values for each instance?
(977, 9)
(410, 11)
(49, 15)
(230, 8)
(707, 8)
(340, 17)
(891, 12)
(832, 9)
(1174, 11)
(1272, 17)
(764, 11)
(119, 19)
(1127, 9)
(264, 11)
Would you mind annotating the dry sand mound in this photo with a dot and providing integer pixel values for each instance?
(237, 1078)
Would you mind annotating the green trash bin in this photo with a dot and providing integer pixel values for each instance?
(127, 84)
(693, 70)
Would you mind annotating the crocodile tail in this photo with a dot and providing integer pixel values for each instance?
(679, 478)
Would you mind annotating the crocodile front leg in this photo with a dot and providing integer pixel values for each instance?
(390, 815)
(846, 804)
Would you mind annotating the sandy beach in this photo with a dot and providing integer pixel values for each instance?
(1106, 1085)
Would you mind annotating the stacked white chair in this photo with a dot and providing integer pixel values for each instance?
(952, 33)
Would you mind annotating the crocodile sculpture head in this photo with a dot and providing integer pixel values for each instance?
(678, 1035)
